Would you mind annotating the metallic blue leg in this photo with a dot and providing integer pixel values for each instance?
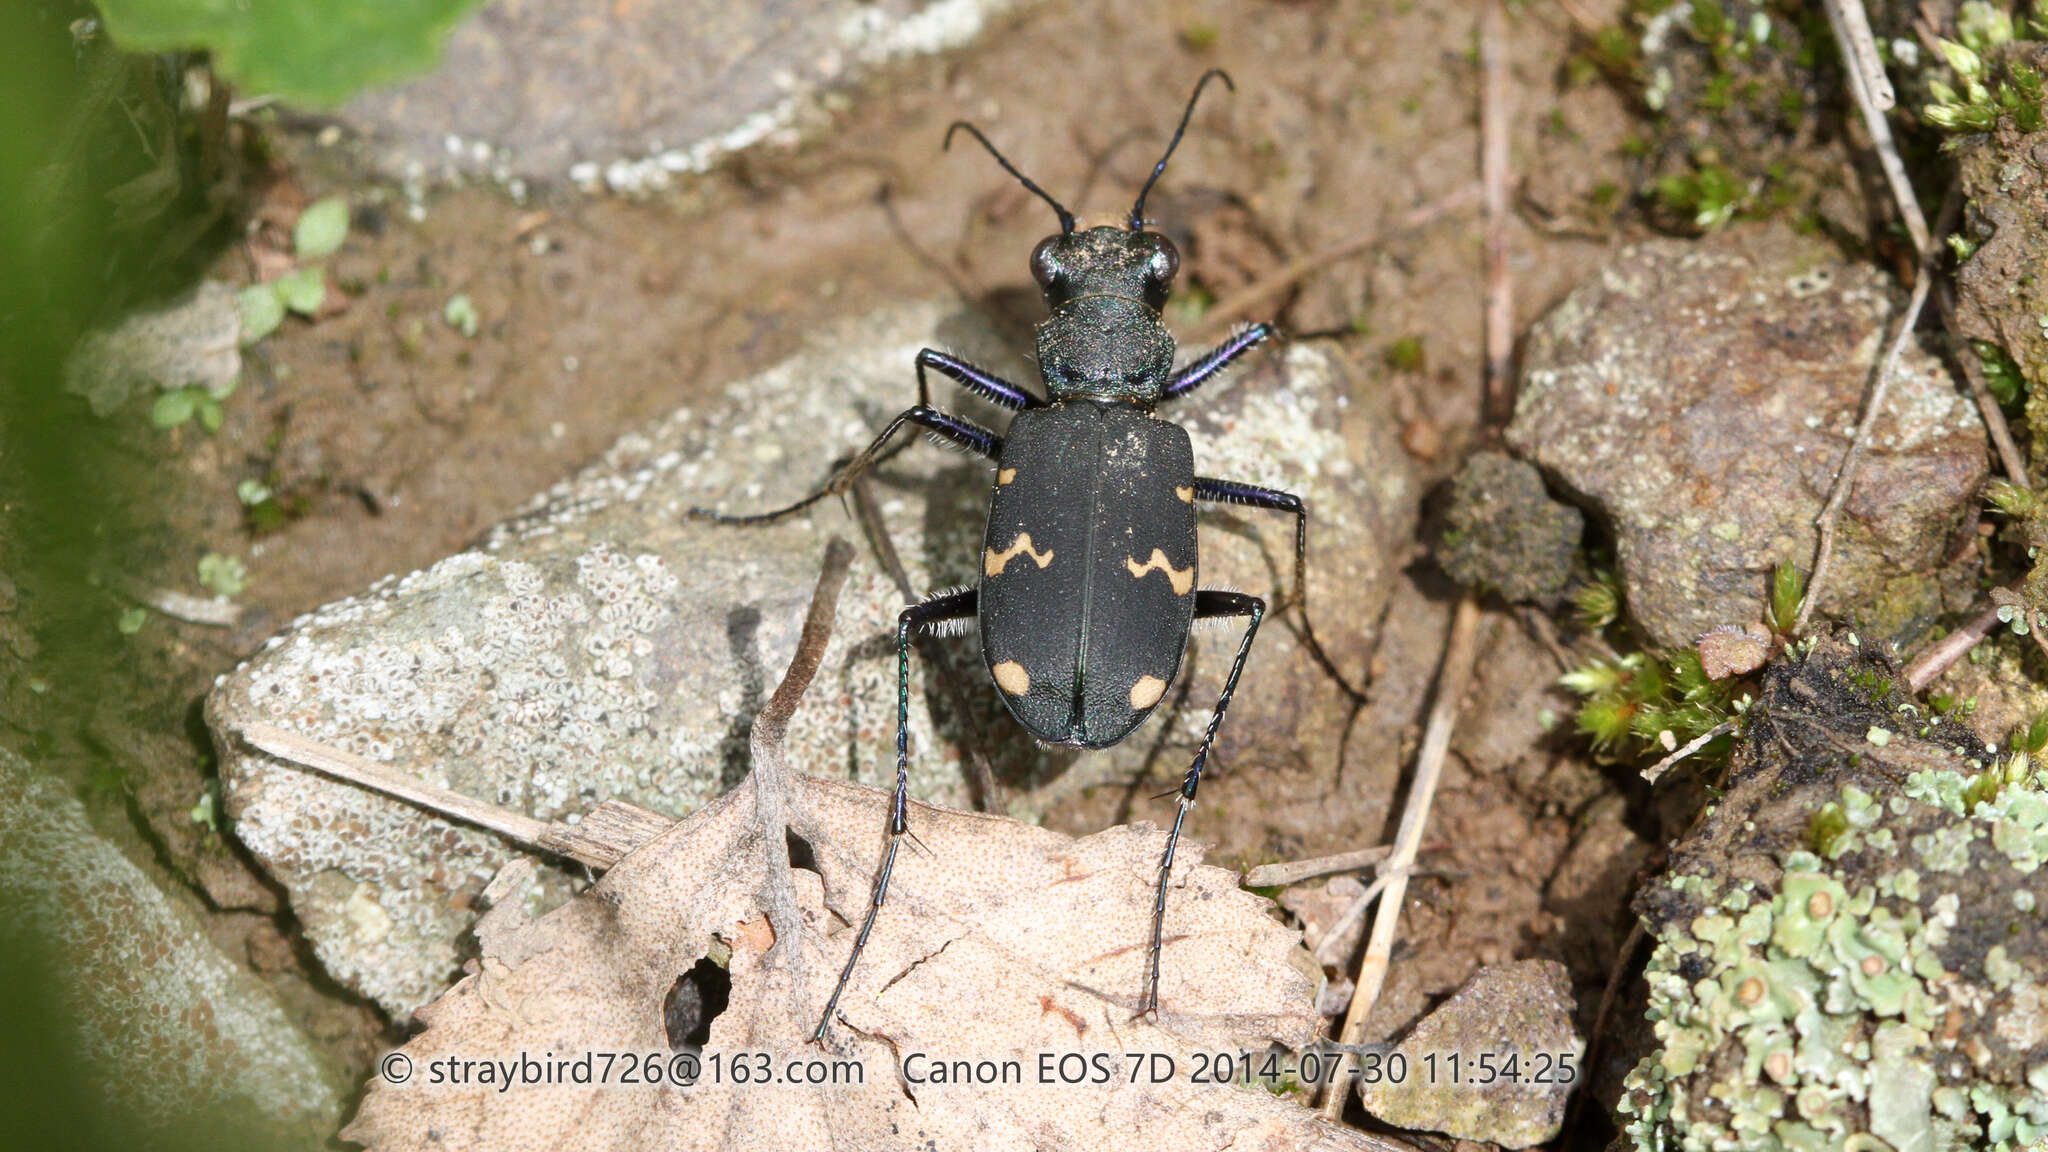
(1207, 365)
(1208, 604)
(952, 606)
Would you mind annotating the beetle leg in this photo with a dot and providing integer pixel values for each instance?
(951, 606)
(1205, 367)
(1253, 496)
(979, 381)
(965, 433)
(1208, 604)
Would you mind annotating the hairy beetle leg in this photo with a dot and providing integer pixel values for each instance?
(1208, 604)
(980, 381)
(938, 609)
(1210, 364)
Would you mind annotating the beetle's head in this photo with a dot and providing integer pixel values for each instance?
(1105, 261)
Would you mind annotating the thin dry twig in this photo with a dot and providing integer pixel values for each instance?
(770, 776)
(1943, 653)
(2009, 456)
(1326, 948)
(1493, 174)
(982, 776)
(1295, 871)
(1873, 405)
(1452, 681)
(212, 611)
(1244, 300)
(352, 769)
(1655, 772)
(1873, 95)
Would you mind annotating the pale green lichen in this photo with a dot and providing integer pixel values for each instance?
(1822, 1016)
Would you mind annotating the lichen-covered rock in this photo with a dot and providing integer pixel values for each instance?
(604, 645)
(1495, 1062)
(172, 1029)
(1850, 945)
(1699, 396)
(1504, 533)
(629, 95)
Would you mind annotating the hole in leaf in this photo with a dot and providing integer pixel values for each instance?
(801, 854)
(697, 998)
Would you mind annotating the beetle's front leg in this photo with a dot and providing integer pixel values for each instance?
(938, 609)
(979, 381)
(1209, 364)
(1208, 605)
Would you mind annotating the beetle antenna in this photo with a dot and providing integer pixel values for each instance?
(1138, 209)
(1066, 217)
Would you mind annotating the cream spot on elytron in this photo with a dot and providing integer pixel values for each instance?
(1012, 678)
(1182, 579)
(1187, 495)
(993, 562)
(1006, 475)
(1146, 692)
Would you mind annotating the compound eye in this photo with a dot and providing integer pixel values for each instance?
(1045, 267)
(1165, 262)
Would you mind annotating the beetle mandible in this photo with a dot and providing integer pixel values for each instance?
(1086, 589)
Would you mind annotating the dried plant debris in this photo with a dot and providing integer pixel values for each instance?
(1005, 951)
(1849, 945)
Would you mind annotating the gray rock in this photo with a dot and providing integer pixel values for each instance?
(171, 1027)
(629, 95)
(602, 645)
(1509, 1031)
(1699, 396)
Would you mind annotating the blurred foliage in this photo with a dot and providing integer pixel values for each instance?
(311, 52)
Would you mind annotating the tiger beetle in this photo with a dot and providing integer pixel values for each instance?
(1087, 585)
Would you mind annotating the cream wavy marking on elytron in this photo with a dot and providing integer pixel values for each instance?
(1182, 579)
(993, 562)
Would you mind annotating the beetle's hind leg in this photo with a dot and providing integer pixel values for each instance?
(937, 610)
(1208, 605)
(963, 432)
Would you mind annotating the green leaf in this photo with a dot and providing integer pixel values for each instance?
(321, 228)
(302, 289)
(173, 408)
(132, 620)
(252, 492)
(262, 312)
(309, 52)
(460, 314)
(1788, 590)
(222, 575)
(211, 414)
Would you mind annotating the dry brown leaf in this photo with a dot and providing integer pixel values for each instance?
(1002, 941)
